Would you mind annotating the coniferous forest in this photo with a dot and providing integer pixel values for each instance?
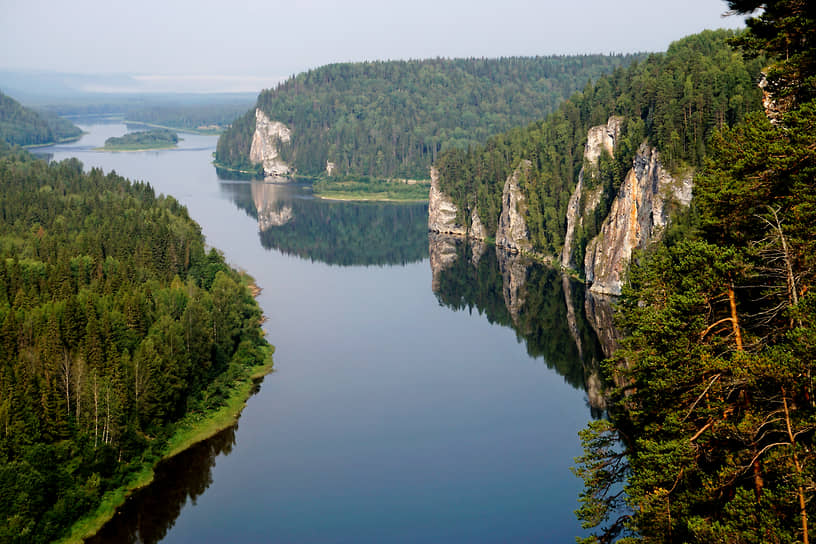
(674, 100)
(23, 126)
(711, 434)
(114, 323)
(392, 119)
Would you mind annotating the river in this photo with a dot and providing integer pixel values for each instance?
(424, 390)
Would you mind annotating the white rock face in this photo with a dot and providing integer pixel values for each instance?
(512, 233)
(442, 210)
(637, 216)
(264, 150)
(477, 229)
(585, 200)
(331, 168)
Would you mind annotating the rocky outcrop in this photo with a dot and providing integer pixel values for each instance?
(638, 215)
(441, 210)
(512, 233)
(265, 146)
(442, 213)
(775, 106)
(477, 230)
(586, 199)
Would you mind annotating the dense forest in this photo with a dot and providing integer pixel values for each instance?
(143, 139)
(114, 323)
(198, 117)
(23, 126)
(673, 100)
(209, 113)
(712, 436)
(391, 119)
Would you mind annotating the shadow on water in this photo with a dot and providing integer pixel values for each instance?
(148, 514)
(546, 308)
(344, 233)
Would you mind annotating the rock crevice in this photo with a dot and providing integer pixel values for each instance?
(512, 233)
(637, 216)
(585, 200)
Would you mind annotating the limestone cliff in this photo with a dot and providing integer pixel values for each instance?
(441, 210)
(585, 200)
(512, 233)
(265, 141)
(637, 215)
(477, 230)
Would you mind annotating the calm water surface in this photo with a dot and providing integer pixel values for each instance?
(417, 397)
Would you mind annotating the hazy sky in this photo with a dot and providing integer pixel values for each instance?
(271, 39)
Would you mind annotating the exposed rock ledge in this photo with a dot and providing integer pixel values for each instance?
(441, 210)
(512, 233)
(264, 150)
(584, 200)
(637, 216)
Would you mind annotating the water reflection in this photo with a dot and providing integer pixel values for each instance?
(148, 515)
(290, 220)
(544, 307)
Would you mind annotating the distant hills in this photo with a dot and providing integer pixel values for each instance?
(23, 126)
(392, 119)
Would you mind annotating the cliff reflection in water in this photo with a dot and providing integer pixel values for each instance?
(151, 512)
(545, 307)
(290, 220)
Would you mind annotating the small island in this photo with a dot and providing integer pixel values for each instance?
(142, 140)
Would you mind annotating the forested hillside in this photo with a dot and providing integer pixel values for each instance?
(713, 431)
(22, 126)
(114, 323)
(675, 101)
(391, 119)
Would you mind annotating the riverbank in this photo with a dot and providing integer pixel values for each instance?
(371, 191)
(193, 428)
(60, 141)
(123, 149)
(208, 132)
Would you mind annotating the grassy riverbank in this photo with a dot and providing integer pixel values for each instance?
(59, 141)
(375, 190)
(214, 131)
(193, 428)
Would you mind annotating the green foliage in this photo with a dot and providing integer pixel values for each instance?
(114, 321)
(22, 126)
(675, 101)
(392, 119)
(782, 29)
(144, 139)
(716, 411)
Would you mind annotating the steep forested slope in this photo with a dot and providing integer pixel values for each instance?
(22, 126)
(674, 101)
(114, 323)
(713, 434)
(391, 119)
